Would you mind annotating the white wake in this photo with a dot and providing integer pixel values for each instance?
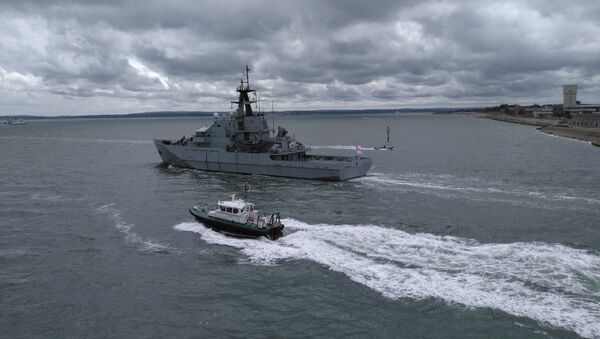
(474, 188)
(126, 229)
(345, 147)
(550, 283)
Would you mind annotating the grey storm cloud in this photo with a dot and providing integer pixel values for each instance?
(84, 57)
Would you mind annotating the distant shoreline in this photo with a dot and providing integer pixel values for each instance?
(549, 126)
(176, 114)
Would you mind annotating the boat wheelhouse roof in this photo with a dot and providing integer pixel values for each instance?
(237, 203)
(202, 129)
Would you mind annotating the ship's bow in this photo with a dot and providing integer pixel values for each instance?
(167, 154)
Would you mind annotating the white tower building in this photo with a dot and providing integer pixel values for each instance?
(569, 95)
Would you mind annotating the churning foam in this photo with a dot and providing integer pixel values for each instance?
(550, 283)
(126, 230)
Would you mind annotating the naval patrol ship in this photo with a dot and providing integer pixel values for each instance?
(242, 142)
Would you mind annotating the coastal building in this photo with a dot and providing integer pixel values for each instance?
(543, 112)
(510, 109)
(569, 96)
(585, 120)
(576, 108)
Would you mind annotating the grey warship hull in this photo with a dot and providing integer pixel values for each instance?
(320, 167)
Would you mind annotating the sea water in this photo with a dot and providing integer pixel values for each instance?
(469, 228)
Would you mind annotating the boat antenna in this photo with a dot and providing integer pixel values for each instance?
(247, 76)
(273, 116)
(245, 191)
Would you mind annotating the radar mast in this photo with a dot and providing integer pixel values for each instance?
(244, 101)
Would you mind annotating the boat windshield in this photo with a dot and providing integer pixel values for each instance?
(230, 209)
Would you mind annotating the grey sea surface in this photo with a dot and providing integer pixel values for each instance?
(470, 228)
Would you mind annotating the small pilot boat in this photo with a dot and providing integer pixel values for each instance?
(384, 148)
(238, 218)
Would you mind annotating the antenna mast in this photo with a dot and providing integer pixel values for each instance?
(247, 76)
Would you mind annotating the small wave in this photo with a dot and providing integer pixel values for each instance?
(46, 196)
(550, 283)
(126, 230)
(565, 138)
(14, 252)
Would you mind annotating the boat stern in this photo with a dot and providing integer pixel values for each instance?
(359, 169)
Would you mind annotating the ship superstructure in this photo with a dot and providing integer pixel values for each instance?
(242, 142)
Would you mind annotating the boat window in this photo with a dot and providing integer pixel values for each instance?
(229, 209)
(235, 210)
(222, 208)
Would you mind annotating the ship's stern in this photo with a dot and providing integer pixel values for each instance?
(360, 169)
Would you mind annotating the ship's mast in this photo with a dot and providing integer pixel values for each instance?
(244, 102)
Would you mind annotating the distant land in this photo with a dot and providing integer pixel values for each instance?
(550, 119)
(171, 114)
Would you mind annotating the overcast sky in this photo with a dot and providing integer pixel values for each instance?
(88, 57)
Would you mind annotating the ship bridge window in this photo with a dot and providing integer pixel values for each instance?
(222, 208)
(235, 210)
(229, 209)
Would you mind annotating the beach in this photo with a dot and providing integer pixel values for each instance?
(586, 134)
(553, 126)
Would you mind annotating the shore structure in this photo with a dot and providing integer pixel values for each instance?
(242, 142)
(571, 119)
(581, 115)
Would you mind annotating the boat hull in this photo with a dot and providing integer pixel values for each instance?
(235, 229)
(218, 160)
